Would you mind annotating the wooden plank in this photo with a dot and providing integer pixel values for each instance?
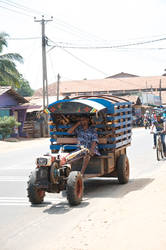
(87, 176)
(73, 140)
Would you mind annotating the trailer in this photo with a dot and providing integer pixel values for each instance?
(111, 116)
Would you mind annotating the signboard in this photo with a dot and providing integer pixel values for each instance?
(150, 99)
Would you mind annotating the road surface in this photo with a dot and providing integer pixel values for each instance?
(27, 227)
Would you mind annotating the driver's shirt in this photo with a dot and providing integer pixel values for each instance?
(86, 137)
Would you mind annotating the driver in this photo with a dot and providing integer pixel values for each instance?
(87, 136)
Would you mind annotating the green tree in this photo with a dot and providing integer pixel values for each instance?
(24, 89)
(9, 74)
(7, 125)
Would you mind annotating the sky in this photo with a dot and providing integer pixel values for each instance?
(100, 27)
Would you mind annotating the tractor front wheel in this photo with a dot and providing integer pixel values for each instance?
(74, 188)
(35, 195)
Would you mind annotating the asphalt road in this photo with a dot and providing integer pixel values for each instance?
(27, 227)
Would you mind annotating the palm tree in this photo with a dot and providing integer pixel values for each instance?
(9, 75)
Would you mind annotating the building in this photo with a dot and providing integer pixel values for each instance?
(115, 86)
(13, 104)
(122, 75)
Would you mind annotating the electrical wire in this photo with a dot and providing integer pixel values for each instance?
(18, 12)
(52, 66)
(22, 38)
(77, 32)
(74, 30)
(70, 46)
(19, 6)
(90, 66)
(85, 63)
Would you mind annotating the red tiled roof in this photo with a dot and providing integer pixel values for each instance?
(122, 74)
(109, 84)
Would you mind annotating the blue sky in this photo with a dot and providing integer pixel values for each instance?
(88, 23)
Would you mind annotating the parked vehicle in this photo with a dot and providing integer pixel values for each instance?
(112, 118)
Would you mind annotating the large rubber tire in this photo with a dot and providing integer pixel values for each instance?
(35, 195)
(122, 168)
(74, 188)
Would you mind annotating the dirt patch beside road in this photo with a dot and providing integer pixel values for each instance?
(133, 218)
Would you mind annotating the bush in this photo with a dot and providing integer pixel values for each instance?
(7, 125)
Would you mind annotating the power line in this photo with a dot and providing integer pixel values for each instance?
(66, 27)
(126, 49)
(90, 66)
(19, 6)
(70, 46)
(74, 30)
(22, 38)
(18, 12)
(87, 64)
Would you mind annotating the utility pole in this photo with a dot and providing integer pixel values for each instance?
(58, 81)
(44, 62)
(160, 92)
(146, 93)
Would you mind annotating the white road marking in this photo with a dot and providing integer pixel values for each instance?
(16, 167)
(23, 201)
(13, 178)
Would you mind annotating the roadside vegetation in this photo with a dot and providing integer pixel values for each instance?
(9, 75)
(8, 125)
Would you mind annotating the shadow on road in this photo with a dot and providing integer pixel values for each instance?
(99, 188)
(63, 207)
(106, 187)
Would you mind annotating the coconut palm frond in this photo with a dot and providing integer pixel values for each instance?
(9, 79)
(12, 57)
(3, 41)
(9, 66)
(3, 34)
(8, 71)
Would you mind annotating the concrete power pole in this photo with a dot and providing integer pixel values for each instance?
(58, 81)
(160, 92)
(44, 61)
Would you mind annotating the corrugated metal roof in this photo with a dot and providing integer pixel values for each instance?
(4, 89)
(109, 84)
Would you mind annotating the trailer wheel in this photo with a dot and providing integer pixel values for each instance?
(74, 188)
(122, 168)
(35, 195)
